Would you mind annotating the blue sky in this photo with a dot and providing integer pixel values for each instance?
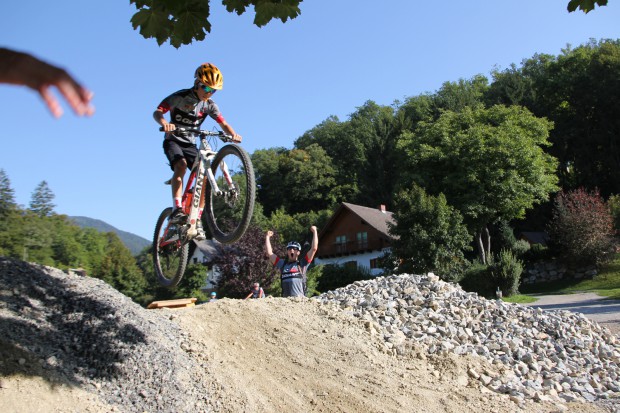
(280, 81)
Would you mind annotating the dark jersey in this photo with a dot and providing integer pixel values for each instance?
(293, 276)
(187, 111)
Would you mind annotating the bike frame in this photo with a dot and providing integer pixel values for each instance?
(200, 168)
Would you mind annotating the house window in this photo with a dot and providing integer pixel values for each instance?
(341, 243)
(362, 240)
(195, 260)
(350, 264)
(373, 263)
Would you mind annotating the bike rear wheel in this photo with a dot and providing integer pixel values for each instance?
(229, 213)
(169, 253)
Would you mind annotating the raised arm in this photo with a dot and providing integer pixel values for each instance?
(315, 243)
(270, 254)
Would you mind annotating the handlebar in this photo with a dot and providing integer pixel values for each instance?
(220, 134)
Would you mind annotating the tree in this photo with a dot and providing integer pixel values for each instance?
(41, 200)
(183, 21)
(7, 195)
(489, 164)
(429, 235)
(585, 5)
(582, 227)
(243, 263)
(119, 269)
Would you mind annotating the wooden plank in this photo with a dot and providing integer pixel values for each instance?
(178, 303)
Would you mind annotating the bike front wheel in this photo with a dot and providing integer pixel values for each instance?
(228, 212)
(169, 252)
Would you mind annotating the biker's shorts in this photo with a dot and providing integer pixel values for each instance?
(175, 151)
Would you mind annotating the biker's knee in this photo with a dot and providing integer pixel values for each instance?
(180, 167)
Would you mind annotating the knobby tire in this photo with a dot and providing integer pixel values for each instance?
(227, 218)
(171, 261)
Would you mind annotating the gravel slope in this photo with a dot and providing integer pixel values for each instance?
(74, 344)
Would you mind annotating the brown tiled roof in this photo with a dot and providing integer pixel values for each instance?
(373, 216)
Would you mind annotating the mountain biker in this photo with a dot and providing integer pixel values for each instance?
(189, 108)
(293, 270)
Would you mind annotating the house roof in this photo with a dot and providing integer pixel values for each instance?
(208, 247)
(375, 217)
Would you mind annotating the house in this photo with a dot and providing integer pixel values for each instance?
(203, 254)
(532, 238)
(355, 235)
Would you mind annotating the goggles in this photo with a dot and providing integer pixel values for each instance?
(206, 88)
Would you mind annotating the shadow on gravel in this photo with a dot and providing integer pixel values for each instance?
(57, 331)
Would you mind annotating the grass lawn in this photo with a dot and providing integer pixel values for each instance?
(606, 284)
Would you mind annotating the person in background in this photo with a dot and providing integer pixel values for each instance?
(213, 296)
(18, 68)
(293, 270)
(257, 292)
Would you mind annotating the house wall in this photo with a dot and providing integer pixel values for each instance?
(350, 224)
(362, 260)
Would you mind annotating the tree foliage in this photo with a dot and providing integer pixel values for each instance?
(489, 163)
(184, 21)
(585, 5)
(582, 227)
(244, 263)
(429, 235)
(41, 201)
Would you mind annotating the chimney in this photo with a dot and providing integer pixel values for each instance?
(382, 208)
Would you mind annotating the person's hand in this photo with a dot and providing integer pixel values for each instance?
(270, 234)
(23, 69)
(169, 127)
(313, 228)
(237, 138)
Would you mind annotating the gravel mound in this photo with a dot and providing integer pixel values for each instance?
(541, 355)
(84, 332)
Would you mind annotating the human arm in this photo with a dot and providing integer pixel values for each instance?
(249, 295)
(315, 244)
(229, 130)
(270, 254)
(18, 68)
(158, 115)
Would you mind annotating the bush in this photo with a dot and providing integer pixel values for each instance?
(336, 276)
(503, 272)
(477, 278)
(506, 272)
(520, 247)
(582, 227)
(537, 252)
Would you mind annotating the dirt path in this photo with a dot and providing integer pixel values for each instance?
(595, 307)
(280, 355)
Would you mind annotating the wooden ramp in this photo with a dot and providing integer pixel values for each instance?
(178, 303)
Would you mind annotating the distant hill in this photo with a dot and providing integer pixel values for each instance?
(133, 242)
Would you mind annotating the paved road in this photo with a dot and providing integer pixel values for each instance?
(595, 307)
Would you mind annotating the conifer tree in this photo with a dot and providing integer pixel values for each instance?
(41, 201)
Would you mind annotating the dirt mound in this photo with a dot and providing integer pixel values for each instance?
(271, 355)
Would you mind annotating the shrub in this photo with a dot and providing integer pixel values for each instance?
(477, 278)
(506, 272)
(581, 230)
(336, 276)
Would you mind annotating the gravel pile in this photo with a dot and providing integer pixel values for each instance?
(541, 355)
(83, 331)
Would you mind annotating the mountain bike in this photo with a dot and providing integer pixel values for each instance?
(229, 204)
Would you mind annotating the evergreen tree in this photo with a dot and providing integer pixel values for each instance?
(7, 195)
(41, 201)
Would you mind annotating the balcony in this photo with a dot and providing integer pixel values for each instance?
(350, 248)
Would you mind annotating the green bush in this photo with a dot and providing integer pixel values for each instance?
(477, 278)
(506, 272)
(503, 272)
(520, 247)
(336, 276)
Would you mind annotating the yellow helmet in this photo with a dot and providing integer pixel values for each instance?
(208, 74)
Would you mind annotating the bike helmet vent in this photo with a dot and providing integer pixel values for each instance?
(208, 74)
(294, 244)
